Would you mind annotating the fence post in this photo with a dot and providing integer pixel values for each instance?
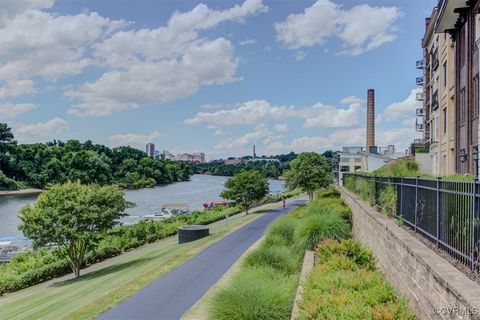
(416, 202)
(438, 211)
(474, 231)
(401, 197)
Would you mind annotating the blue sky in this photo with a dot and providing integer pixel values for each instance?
(211, 76)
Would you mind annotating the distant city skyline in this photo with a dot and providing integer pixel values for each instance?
(212, 76)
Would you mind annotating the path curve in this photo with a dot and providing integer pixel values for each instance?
(169, 297)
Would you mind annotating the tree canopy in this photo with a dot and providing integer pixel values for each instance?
(310, 171)
(268, 168)
(246, 188)
(40, 164)
(73, 216)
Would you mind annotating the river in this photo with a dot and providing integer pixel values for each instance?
(195, 192)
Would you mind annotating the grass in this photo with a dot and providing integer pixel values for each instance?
(107, 283)
(256, 293)
(319, 226)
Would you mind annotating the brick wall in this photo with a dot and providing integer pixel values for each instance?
(429, 282)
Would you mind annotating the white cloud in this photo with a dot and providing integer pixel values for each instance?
(10, 9)
(248, 42)
(250, 112)
(311, 27)
(400, 137)
(17, 88)
(282, 127)
(324, 116)
(41, 129)
(220, 132)
(361, 28)
(133, 139)
(405, 108)
(300, 55)
(154, 82)
(409, 121)
(37, 43)
(261, 134)
(261, 111)
(156, 65)
(13, 110)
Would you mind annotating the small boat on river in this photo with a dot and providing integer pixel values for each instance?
(168, 210)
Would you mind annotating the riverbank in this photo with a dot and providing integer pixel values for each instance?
(20, 192)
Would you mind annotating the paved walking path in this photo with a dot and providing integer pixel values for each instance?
(169, 297)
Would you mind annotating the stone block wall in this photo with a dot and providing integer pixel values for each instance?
(435, 289)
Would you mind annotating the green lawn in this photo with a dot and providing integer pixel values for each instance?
(107, 283)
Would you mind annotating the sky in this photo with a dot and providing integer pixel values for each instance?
(211, 76)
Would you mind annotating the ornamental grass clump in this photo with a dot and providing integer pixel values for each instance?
(320, 226)
(280, 258)
(284, 228)
(256, 293)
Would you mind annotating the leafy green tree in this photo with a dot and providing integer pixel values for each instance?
(246, 188)
(7, 145)
(309, 172)
(73, 216)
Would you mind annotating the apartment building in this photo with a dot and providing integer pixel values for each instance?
(459, 20)
(438, 97)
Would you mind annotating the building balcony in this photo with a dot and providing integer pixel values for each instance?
(419, 64)
(419, 96)
(419, 127)
(435, 100)
(419, 112)
(419, 81)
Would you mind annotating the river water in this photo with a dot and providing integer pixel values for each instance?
(199, 190)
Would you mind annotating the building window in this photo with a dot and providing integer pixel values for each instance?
(345, 169)
(444, 115)
(475, 96)
(357, 159)
(445, 74)
(463, 107)
(357, 168)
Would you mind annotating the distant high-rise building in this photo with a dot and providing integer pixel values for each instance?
(150, 149)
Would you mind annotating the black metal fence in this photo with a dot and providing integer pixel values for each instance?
(445, 212)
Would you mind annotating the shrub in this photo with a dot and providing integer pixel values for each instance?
(279, 258)
(388, 201)
(345, 285)
(351, 249)
(350, 295)
(284, 228)
(255, 294)
(318, 227)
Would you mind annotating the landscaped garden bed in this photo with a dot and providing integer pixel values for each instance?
(344, 284)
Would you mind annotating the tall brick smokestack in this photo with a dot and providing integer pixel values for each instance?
(370, 118)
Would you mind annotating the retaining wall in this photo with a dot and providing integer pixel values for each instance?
(435, 289)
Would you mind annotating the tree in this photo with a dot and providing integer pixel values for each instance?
(7, 145)
(246, 188)
(73, 216)
(309, 172)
